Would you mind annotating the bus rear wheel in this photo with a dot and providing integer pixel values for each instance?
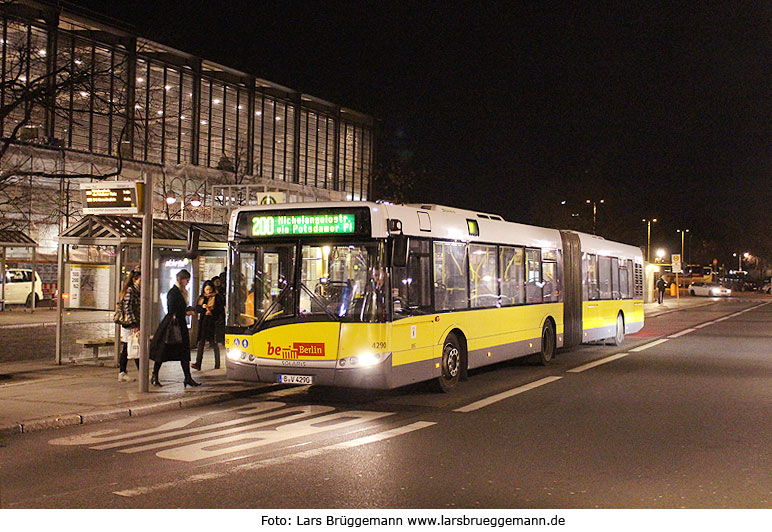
(450, 366)
(547, 352)
(619, 337)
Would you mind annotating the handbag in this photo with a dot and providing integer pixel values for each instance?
(173, 334)
(119, 316)
(132, 348)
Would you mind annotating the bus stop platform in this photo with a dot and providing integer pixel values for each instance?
(41, 395)
(36, 395)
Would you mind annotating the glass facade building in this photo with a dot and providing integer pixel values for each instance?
(122, 96)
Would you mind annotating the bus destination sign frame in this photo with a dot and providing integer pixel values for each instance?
(303, 223)
(112, 197)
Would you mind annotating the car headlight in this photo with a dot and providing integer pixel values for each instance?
(715, 292)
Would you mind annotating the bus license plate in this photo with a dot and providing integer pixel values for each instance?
(296, 379)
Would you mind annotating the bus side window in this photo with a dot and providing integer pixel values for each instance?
(534, 283)
(590, 275)
(411, 284)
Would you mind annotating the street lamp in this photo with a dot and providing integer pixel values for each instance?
(660, 255)
(740, 259)
(648, 237)
(594, 212)
(682, 231)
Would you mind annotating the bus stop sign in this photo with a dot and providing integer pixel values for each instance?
(676, 261)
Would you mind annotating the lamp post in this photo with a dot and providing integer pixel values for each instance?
(740, 259)
(594, 211)
(648, 223)
(682, 231)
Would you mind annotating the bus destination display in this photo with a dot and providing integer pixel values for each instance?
(303, 224)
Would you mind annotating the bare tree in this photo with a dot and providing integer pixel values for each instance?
(36, 89)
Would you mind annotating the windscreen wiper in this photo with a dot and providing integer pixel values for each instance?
(320, 302)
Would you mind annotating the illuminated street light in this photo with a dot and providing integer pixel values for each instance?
(660, 255)
(594, 212)
(648, 222)
(682, 231)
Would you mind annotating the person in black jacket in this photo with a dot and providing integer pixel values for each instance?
(130, 300)
(210, 308)
(169, 344)
(661, 286)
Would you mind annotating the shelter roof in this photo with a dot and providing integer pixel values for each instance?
(129, 229)
(11, 238)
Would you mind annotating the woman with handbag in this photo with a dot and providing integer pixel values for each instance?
(127, 316)
(171, 340)
(210, 306)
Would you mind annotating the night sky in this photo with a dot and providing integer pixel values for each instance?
(661, 110)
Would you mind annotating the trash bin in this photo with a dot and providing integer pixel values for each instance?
(673, 290)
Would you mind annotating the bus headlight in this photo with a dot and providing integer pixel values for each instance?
(234, 354)
(362, 360)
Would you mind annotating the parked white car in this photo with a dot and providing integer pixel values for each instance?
(709, 289)
(18, 287)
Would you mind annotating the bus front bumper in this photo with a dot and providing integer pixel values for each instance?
(377, 376)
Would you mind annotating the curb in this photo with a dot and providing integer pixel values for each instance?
(66, 420)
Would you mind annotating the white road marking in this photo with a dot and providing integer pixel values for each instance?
(253, 439)
(686, 331)
(201, 477)
(704, 325)
(269, 418)
(597, 363)
(650, 344)
(505, 395)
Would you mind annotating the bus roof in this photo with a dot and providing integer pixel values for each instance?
(450, 223)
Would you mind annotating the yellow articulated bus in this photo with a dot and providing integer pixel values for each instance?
(373, 295)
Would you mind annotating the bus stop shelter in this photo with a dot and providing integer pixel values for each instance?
(11, 238)
(95, 255)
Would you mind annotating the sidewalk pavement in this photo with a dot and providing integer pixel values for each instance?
(41, 395)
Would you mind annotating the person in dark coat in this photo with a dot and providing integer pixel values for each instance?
(661, 286)
(161, 349)
(210, 308)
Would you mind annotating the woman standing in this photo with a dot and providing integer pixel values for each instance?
(172, 340)
(130, 300)
(210, 307)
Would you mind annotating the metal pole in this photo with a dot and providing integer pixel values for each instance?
(648, 242)
(119, 278)
(2, 279)
(34, 278)
(60, 304)
(146, 293)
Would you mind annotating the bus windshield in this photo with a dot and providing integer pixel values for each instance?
(337, 282)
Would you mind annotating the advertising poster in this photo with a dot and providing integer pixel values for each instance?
(89, 286)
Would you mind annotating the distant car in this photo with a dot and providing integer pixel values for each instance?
(18, 287)
(709, 289)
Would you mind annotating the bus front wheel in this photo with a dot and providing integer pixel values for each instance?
(450, 366)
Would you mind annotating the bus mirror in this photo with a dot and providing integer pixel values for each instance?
(399, 251)
(193, 235)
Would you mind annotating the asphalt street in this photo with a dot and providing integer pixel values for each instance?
(675, 417)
